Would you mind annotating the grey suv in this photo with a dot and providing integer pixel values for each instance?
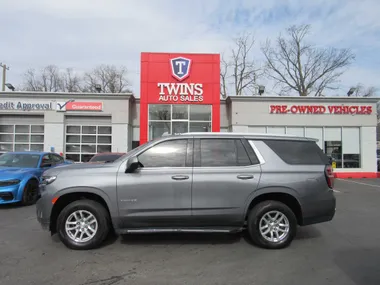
(194, 182)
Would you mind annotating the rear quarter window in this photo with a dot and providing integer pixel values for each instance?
(298, 152)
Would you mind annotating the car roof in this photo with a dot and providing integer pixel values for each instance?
(244, 135)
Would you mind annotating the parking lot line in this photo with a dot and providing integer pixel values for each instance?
(361, 183)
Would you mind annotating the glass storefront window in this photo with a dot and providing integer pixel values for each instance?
(200, 113)
(200, 127)
(177, 119)
(180, 112)
(159, 112)
(158, 129)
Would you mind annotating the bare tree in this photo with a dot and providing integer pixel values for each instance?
(110, 78)
(239, 71)
(361, 91)
(51, 79)
(295, 65)
(71, 81)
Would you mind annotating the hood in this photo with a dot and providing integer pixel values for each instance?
(76, 167)
(13, 172)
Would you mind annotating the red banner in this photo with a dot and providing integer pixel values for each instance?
(321, 109)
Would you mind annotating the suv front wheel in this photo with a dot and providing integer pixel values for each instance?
(272, 225)
(83, 224)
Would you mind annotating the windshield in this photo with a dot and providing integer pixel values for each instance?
(22, 160)
(105, 157)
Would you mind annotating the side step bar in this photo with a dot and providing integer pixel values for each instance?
(180, 230)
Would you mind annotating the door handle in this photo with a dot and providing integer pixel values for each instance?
(245, 177)
(180, 177)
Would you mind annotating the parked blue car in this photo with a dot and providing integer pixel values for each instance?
(20, 174)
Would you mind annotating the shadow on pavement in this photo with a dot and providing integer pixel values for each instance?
(180, 238)
(308, 232)
(361, 265)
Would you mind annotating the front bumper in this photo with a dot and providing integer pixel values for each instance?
(318, 209)
(10, 194)
(43, 210)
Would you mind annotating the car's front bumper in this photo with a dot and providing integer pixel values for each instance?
(43, 210)
(10, 194)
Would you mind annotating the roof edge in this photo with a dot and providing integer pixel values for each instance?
(303, 99)
(18, 94)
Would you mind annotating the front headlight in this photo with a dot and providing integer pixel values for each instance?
(11, 182)
(46, 180)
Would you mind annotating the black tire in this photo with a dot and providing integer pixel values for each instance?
(255, 216)
(30, 194)
(98, 211)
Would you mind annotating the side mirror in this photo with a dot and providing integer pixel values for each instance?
(132, 164)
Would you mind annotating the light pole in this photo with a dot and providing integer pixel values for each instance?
(5, 68)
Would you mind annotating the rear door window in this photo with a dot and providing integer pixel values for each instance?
(221, 152)
(298, 152)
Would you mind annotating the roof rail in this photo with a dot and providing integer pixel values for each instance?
(247, 135)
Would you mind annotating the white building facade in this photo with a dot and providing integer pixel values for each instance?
(79, 125)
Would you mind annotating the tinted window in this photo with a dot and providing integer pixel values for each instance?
(57, 159)
(165, 154)
(298, 152)
(105, 157)
(223, 152)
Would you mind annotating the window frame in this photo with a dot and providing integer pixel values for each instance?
(252, 156)
(188, 158)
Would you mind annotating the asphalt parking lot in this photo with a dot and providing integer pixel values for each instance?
(344, 251)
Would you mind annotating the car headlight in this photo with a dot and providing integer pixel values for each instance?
(9, 182)
(46, 180)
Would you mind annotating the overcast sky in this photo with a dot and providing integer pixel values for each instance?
(84, 33)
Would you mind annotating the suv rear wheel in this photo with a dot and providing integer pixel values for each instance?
(272, 225)
(83, 224)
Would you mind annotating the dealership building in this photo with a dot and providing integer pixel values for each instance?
(181, 93)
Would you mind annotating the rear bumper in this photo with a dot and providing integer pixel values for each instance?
(318, 209)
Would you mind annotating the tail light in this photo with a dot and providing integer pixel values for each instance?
(329, 176)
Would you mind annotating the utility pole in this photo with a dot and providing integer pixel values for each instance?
(5, 68)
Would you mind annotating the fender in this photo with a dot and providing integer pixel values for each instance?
(91, 190)
(25, 179)
(269, 190)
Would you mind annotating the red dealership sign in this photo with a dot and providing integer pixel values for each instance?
(73, 105)
(321, 109)
(185, 78)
